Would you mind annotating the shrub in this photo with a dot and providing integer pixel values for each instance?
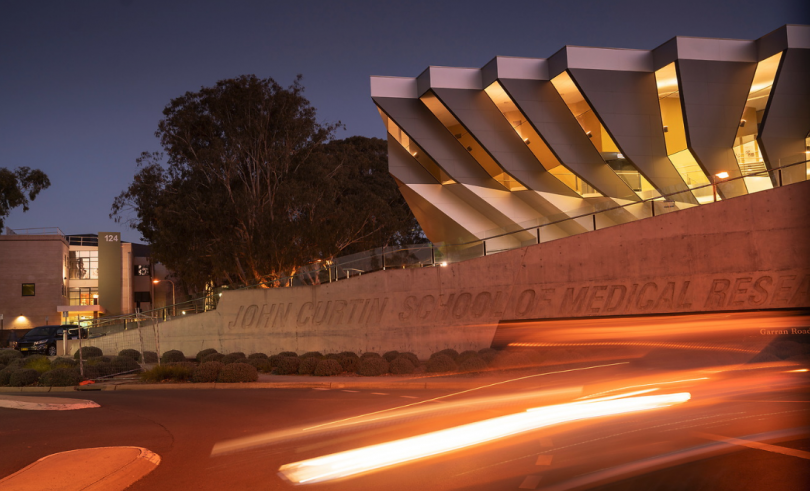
(235, 357)
(473, 364)
(465, 355)
(257, 356)
(308, 364)
(40, 363)
(312, 354)
(237, 372)
(411, 357)
(172, 356)
(369, 354)
(16, 363)
(274, 360)
(328, 368)
(261, 364)
(453, 354)
(88, 352)
(488, 354)
(390, 356)
(97, 368)
(349, 353)
(514, 359)
(130, 353)
(5, 375)
(372, 366)
(150, 357)
(401, 365)
(23, 377)
(159, 373)
(2, 366)
(288, 365)
(207, 371)
(333, 356)
(202, 354)
(288, 353)
(121, 364)
(349, 362)
(441, 363)
(7, 355)
(61, 377)
(213, 357)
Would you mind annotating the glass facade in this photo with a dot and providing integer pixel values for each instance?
(83, 265)
(415, 150)
(536, 144)
(669, 100)
(469, 142)
(600, 138)
(83, 296)
(746, 148)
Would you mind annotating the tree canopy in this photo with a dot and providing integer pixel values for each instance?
(19, 187)
(250, 186)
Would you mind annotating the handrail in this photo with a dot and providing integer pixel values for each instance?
(210, 301)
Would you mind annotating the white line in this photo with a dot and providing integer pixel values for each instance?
(409, 397)
(320, 388)
(379, 394)
(345, 390)
(530, 482)
(758, 445)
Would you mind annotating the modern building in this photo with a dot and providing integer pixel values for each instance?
(47, 277)
(523, 142)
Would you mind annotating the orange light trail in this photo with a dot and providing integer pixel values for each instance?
(361, 460)
(633, 343)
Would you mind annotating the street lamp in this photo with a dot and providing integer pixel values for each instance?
(174, 303)
(719, 175)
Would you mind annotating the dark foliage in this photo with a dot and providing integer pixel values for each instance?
(234, 357)
(390, 355)
(441, 363)
(131, 353)
(254, 356)
(401, 365)
(328, 368)
(287, 365)
(61, 377)
(213, 357)
(372, 366)
(207, 371)
(308, 364)
(202, 354)
(88, 352)
(19, 187)
(172, 356)
(237, 372)
(23, 377)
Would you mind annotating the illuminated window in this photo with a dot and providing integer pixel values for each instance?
(83, 296)
(669, 100)
(470, 143)
(29, 289)
(415, 150)
(83, 265)
(537, 145)
(746, 147)
(600, 138)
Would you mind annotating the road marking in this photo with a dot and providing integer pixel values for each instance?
(320, 388)
(379, 394)
(530, 482)
(758, 445)
(543, 460)
(38, 403)
(409, 397)
(546, 442)
(346, 390)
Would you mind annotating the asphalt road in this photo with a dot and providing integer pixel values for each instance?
(684, 446)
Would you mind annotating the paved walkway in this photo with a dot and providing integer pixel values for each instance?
(37, 403)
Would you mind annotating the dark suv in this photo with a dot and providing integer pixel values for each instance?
(42, 339)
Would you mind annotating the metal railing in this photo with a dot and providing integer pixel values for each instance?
(35, 231)
(442, 254)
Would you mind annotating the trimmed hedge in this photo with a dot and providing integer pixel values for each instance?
(349, 361)
(40, 363)
(473, 364)
(288, 365)
(63, 362)
(6, 355)
(23, 377)
(288, 353)
(370, 354)
(172, 356)
(202, 354)
(130, 353)
(372, 366)
(88, 352)
(237, 372)
(236, 356)
(308, 364)
(121, 364)
(401, 365)
(453, 354)
(274, 360)
(150, 357)
(411, 357)
(5, 375)
(488, 354)
(261, 364)
(312, 354)
(207, 371)
(441, 363)
(257, 356)
(159, 373)
(390, 355)
(213, 357)
(61, 377)
(328, 368)
(465, 355)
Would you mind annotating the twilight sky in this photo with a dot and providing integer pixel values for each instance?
(83, 83)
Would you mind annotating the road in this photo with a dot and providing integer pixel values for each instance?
(680, 446)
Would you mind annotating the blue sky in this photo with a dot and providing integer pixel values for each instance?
(83, 84)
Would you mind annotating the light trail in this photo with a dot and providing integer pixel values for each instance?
(644, 385)
(633, 343)
(361, 460)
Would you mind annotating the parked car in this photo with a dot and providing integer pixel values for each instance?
(42, 340)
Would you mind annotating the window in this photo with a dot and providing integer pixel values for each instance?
(142, 270)
(28, 289)
(83, 265)
(83, 296)
(143, 297)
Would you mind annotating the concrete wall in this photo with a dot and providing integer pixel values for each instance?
(746, 253)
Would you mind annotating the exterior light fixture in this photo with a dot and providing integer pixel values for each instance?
(722, 175)
(742, 123)
(443, 264)
(666, 129)
(619, 155)
(719, 175)
(526, 140)
(184, 312)
(590, 135)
